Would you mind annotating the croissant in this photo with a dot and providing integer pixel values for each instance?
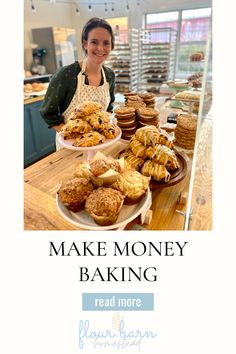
(156, 171)
(163, 155)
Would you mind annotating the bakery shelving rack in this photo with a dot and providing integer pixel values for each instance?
(124, 60)
(157, 57)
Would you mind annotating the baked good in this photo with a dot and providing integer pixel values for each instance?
(134, 161)
(28, 88)
(133, 185)
(137, 148)
(124, 112)
(148, 116)
(163, 155)
(198, 56)
(86, 108)
(135, 104)
(156, 171)
(126, 120)
(74, 191)
(148, 98)
(185, 131)
(38, 86)
(73, 128)
(82, 169)
(189, 95)
(148, 135)
(104, 205)
(89, 139)
(98, 119)
(109, 130)
(100, 166)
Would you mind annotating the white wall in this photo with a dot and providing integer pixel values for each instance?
(64, 15)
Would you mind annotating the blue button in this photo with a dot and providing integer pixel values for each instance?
(117, 302)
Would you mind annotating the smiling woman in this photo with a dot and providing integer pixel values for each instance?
(88, 80)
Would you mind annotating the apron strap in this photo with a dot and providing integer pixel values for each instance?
(83, 68)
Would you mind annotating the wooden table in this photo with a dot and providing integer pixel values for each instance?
(42, 181)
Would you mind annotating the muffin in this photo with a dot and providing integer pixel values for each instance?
(74, 191)
(100, 166)
(133, 185)
(104, 171)
(104, 205)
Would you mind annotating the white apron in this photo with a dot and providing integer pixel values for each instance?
(100, 94)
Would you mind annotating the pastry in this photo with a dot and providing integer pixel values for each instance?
(104, 205)
(156, 171)
(189, 95)
(100, 166)
(89, 139)
(86, 108)
(109, 130)
(137, 148)
(73, 192)
(134, 161)
(163, 155)
(148, 135)
(98, 119)
(133, 185)
(82, 169)
(73, 128)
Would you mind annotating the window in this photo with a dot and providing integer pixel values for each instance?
(194, 29)
(193, 39)
(162, 20)
(120, 27)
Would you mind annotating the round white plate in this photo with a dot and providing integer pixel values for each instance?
(68, 143)
(83, 220)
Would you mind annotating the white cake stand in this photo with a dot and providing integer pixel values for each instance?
(89, 151)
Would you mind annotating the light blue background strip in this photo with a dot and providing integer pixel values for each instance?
(117, 302)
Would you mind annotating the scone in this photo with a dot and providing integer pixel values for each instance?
(133, 185)
(89, 139)
(73, 128)
(148, 135)
(98, 119)
(104, 205)
(157, 172)
(134, 161)
(73, 192)
(109, 130)
(86, 108)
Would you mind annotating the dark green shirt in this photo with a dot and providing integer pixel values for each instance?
(61, 90)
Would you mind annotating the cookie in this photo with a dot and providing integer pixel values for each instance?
(187, 122)
(124, 112)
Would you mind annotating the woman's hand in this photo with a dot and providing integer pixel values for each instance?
(58, 127)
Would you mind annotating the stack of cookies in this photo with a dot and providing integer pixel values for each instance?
(185, 131)
(147, 116)
(131, 94)
(126, 120)
(148, 99)
(135, 101)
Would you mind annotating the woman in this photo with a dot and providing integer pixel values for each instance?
(88, 80)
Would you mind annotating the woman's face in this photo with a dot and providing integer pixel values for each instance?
(98, 45)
